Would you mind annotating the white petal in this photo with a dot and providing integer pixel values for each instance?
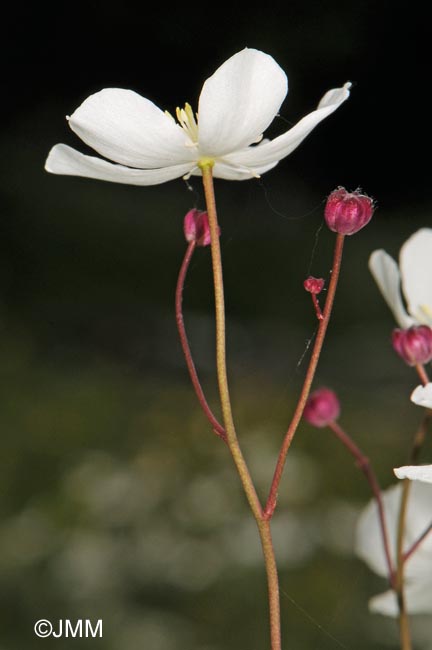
(415, 472)
(65, 160)
(416, 272)
(239, 101)
(418, 598)
(129, 129)
(235, 173)
(368, 542)
(419, 595)
(422, 395)
(419, 514)
(386, 275)
(283, 145)
(385, 604)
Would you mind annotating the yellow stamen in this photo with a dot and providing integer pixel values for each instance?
(188, 122)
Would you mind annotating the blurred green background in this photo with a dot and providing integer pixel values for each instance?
(116, 500)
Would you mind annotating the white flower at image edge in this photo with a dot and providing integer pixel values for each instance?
(422, 395)
(418, 567)
(237, 104)
(415, 273)
(415, 473)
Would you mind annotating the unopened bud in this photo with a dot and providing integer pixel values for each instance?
(322, 408)
(314, 285)
(347, 212)
(196, 227)
(414, 345)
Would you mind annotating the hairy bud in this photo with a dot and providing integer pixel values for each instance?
(196, 227)
(314, 285)
(347, 212)
(414, 345)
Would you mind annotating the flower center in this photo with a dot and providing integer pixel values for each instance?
(188, 122)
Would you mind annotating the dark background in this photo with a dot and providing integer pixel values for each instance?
(104, 451)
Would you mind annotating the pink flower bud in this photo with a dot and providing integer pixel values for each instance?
(414, 345)
(313, 285)
(196, 227)
(347, 212)
(322, 408)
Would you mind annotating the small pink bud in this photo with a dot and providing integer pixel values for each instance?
(322, 408)
(196, 227)
(347, 212)
(314, 285)
(414, 345)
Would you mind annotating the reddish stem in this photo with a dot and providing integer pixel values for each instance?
(364, 465)
(422, 374)
(316, 304)
(217, 427)
(417, 543)
(310, 374)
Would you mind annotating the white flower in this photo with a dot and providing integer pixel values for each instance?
(422, 395)
(415, 270)
(415, 473)
(237, 104)
(418, 567)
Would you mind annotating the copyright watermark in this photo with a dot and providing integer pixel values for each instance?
(43, 628)
(81, 628)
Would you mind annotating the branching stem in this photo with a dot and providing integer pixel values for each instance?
(310, 374)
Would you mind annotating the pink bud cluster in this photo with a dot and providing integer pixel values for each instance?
(322, 408)
(414, 345)
(313, 285)
(196, 227)
(347, 212)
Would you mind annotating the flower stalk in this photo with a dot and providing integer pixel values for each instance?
(221, 345)
(310, 374)
(417, 543)
(217, 427)
(231, 435)
(421, 371)
(364, 465)
(401, 556)
(404, 626)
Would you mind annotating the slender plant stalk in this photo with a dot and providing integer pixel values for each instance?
(217, 427)
(364, 465)
(272, 583)
(231, 436)
(421, 371)
(404, 627)
(317, 307)
(419, 439)
(310, 374)
(401, 556)
(417, 543)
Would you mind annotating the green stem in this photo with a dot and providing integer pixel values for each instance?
(231, 435)
(272, 583)
(404, 627)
